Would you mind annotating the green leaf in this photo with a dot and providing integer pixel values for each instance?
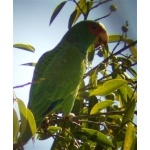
(101, 105)
(29, 64)
(129, 136)
(108, 87)
(24, 47)
(100, 137)
(71, 18)
(129, 112)
(23, 115)
(54, 129)
(56, 11)
(15, 126)
(92, 102)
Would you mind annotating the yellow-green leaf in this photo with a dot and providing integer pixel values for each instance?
(101, 105)
(54, 129)
(108, 87)
(91, 53)
(134, 144)
(84, 6)
(15, 126)
(129, 136)
(93, 78)
(24, 47)
(31, 122)
(100, 137)
(23, 115)
(114, 38)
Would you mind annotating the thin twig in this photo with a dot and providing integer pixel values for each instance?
(100, 4)
(103, 16)
(20, 86)
(73, 138)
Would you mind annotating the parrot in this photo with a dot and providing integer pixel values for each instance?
(59, 72)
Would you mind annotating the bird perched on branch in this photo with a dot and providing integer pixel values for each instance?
(59, 72)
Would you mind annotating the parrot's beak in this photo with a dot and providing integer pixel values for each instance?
(102, 37)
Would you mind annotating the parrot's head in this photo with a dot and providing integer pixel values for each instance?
(86, 33)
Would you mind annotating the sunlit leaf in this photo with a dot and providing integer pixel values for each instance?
(129, 136)
(83, 7)
(56, 11)
(91, 53)
(108, 87)
(134, 144)
(54, 129)
(101, 105)
(31, 122)
(100, 137)
(15, 126)
(93, 78)
(29, 64)
(114, 38)
(23, 115)
(123, 94)
(24, 47)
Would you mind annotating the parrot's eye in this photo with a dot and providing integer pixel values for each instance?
(94, 27)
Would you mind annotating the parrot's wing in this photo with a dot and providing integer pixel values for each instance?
(39, 70)
(36, 94)
(56, 82)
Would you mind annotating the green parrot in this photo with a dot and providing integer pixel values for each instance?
(59, 72)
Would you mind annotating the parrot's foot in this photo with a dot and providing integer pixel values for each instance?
(70, 117)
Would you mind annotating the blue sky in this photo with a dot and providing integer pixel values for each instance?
(31, 26)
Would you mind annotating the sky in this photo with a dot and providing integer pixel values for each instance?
(31, 26)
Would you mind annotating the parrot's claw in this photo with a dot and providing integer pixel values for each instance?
(70, 117)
